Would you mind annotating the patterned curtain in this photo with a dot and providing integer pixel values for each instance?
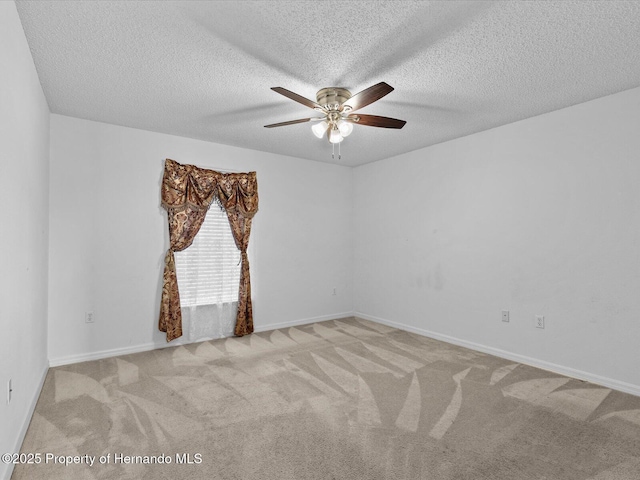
(187, 193)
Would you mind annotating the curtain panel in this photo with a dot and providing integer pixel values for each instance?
(187, 193)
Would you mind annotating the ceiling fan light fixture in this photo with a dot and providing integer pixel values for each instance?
(345, 128)
(319, 129)
(334, 135)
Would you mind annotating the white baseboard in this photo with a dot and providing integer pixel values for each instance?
(145, 347)
(534, 362)
(114, 352)
(6, 475)
(303, 321)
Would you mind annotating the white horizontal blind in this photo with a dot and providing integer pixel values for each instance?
(209, 270)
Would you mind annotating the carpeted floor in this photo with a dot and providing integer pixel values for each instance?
(343, 399)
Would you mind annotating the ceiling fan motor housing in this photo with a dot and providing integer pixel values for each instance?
(332, 97)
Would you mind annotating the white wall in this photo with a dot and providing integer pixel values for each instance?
(108, 236)
(24, 170)
(537, 217)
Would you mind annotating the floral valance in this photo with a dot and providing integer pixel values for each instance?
(188, 185)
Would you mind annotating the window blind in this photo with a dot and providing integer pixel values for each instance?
(208, 271)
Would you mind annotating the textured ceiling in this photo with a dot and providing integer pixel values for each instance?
(204, 69)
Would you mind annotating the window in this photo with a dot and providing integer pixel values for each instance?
(209, 270)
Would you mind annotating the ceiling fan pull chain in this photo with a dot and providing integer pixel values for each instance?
(339, 154)
(333, 151)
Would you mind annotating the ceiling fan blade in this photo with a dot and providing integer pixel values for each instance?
(290, 122)
(298, 98)
(376, 121)
(368, 96)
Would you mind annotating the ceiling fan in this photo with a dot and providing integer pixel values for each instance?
(337, 106)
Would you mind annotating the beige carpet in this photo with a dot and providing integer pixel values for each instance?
(345, 399)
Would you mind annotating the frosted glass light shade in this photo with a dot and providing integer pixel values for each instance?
(334, 135)
(345, 128)
(320, 128)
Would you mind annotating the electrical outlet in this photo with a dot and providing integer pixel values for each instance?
(334, 291)
(505, 315)
(88, 317)
(539, 321)
(9, 391)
